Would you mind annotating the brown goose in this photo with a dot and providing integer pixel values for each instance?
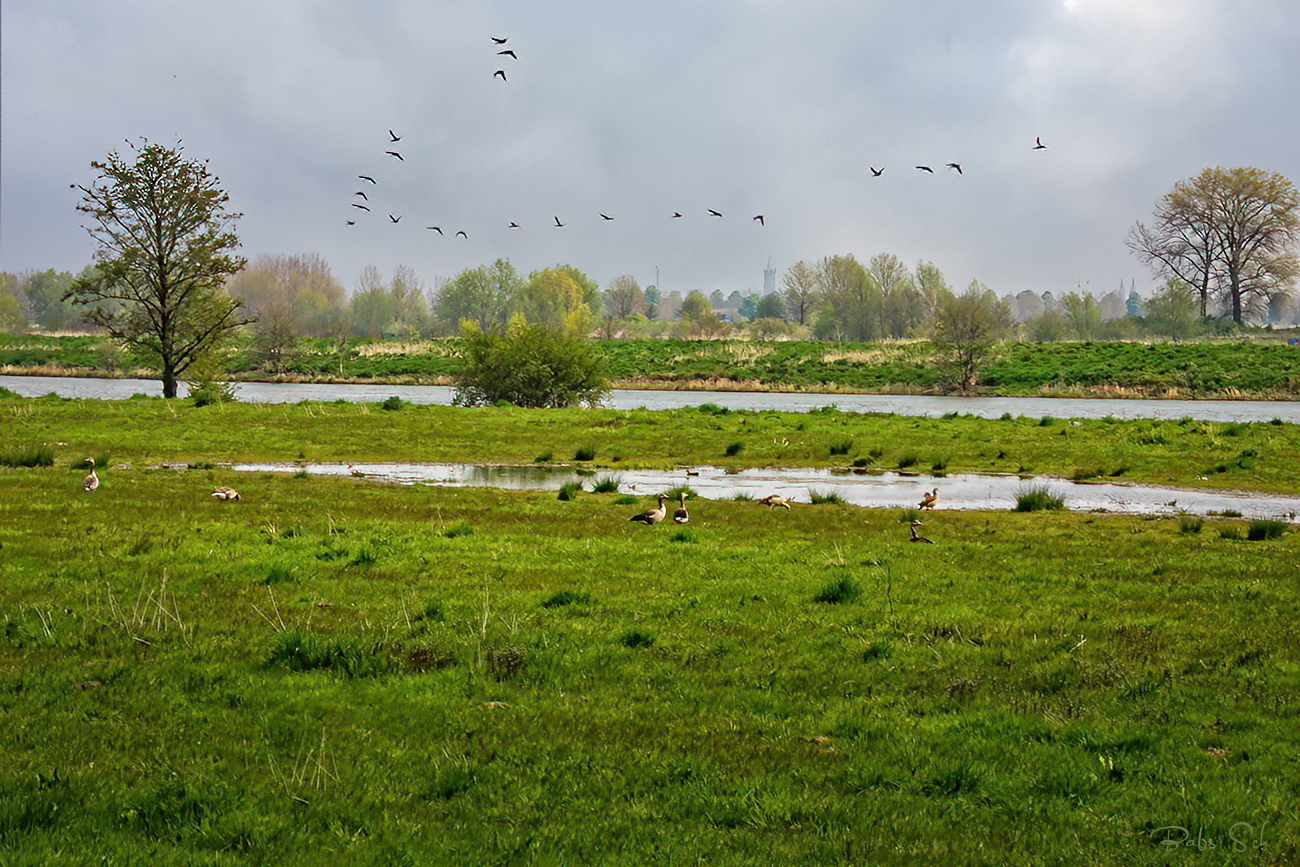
(681, 516)
(929, 499)
(224, 493)
(92, 480)
(652, 516)
(774, 501)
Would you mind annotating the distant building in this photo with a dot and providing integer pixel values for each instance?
(769, 279)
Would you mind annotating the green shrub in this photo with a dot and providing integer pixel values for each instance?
(839, 592)
(530, 366)
(1265, 528)
(734, 449)
(393, 403)
(842, 447)
(1037, 498)
(1190, 525)
(1046, 421)
(585, 453)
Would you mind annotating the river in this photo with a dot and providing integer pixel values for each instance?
(901, 404)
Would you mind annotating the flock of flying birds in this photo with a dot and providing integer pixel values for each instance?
(500, 42)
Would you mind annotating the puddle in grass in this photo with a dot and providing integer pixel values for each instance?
(872, 490)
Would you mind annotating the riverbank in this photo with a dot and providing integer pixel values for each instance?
(1258, 369)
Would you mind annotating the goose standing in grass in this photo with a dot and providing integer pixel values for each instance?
(773, 501)
(652, 516)
(681, 516)
(224, 493)
(92, 480)
(929, 499)
(917, 538)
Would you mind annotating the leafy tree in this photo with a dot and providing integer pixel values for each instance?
(1229, 233)
(653, 302)
(552, 298)
(968, 328)
(1083, 313)
(529, 365)
(1174, 312)
(851, 302)
(1048, 326)
(46, 293)
(770, 307)
(697, 316)
(933, 288)
(165, 248)
(301, 287)
(484, 295)
(623, 298)
(12, 318)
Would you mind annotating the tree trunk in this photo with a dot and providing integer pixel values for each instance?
(169, 380)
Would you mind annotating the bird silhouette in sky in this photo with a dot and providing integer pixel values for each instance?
(677, 215)
(509, 52)
(1038, 144)
(461, 234)
(605, 216)
(437, 229)
(513, 225)
(875, 172)
(362, 207)
(500, 72)
(925, 169)
(362, 195)
(558, 224)
(394, 219)
(714, 213)
(367, 178)
(760, 219)
(352, 222)
(394, 136)
(499, 40)
(395, 154)
(956, 167)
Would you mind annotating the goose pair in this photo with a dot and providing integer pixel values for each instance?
(657, 514)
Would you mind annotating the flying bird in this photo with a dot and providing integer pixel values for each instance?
(715, 213)
(605, 216)
(395, 154)
(875, 172)
(760, 219)
(394, 219)
(500, 72)
(1038, 144)
(362, 207)
(925, 169)
(461, 234)
(513, 225)
(362, 195)
(434, 229)
(509, 52)
(558, 224)
(499, 40)
(956, 167)
(352, 222)
(394, 136)
(367, 178)
(677, 215)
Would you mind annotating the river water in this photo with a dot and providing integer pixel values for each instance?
(874, 490)
(901, 404)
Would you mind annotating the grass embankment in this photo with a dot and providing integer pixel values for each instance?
(334, 671)
(1188, 453)
(1237, 368)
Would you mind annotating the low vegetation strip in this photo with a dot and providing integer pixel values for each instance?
(805, 683)
(1258, 367)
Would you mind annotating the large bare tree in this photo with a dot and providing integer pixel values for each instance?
(165, 248)
(1228, 233)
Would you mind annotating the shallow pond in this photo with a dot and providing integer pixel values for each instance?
(874, 490)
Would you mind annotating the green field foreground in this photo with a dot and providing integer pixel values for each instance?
(346, 672)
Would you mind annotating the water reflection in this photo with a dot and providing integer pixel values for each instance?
(874, 490)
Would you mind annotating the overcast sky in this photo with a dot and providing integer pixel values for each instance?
(641, 110)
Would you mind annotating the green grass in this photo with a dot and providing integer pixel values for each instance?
(1190, 525)
(1033, 689)
(606, 485)
(1265, 528)
(34, 456)
(1038, 498)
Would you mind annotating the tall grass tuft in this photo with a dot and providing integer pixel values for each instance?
(842, 447)
(685, 534)
(831, 498)
(303, 651)
(839, 592)
(635, 638)
(1038, 498)
(713, 409)
(569, 491)
(734, 449)
(908, 460)
(544, 458)
(566, 597)
(37, 456)
(1190, 525)
(393, 404)
(585, 453)
(1265, 528)
(908, 515)
(458, 529)
(606, 485)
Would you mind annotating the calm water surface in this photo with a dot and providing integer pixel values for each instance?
(902, 404)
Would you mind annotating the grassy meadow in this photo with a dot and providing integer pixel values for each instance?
(341, 671)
